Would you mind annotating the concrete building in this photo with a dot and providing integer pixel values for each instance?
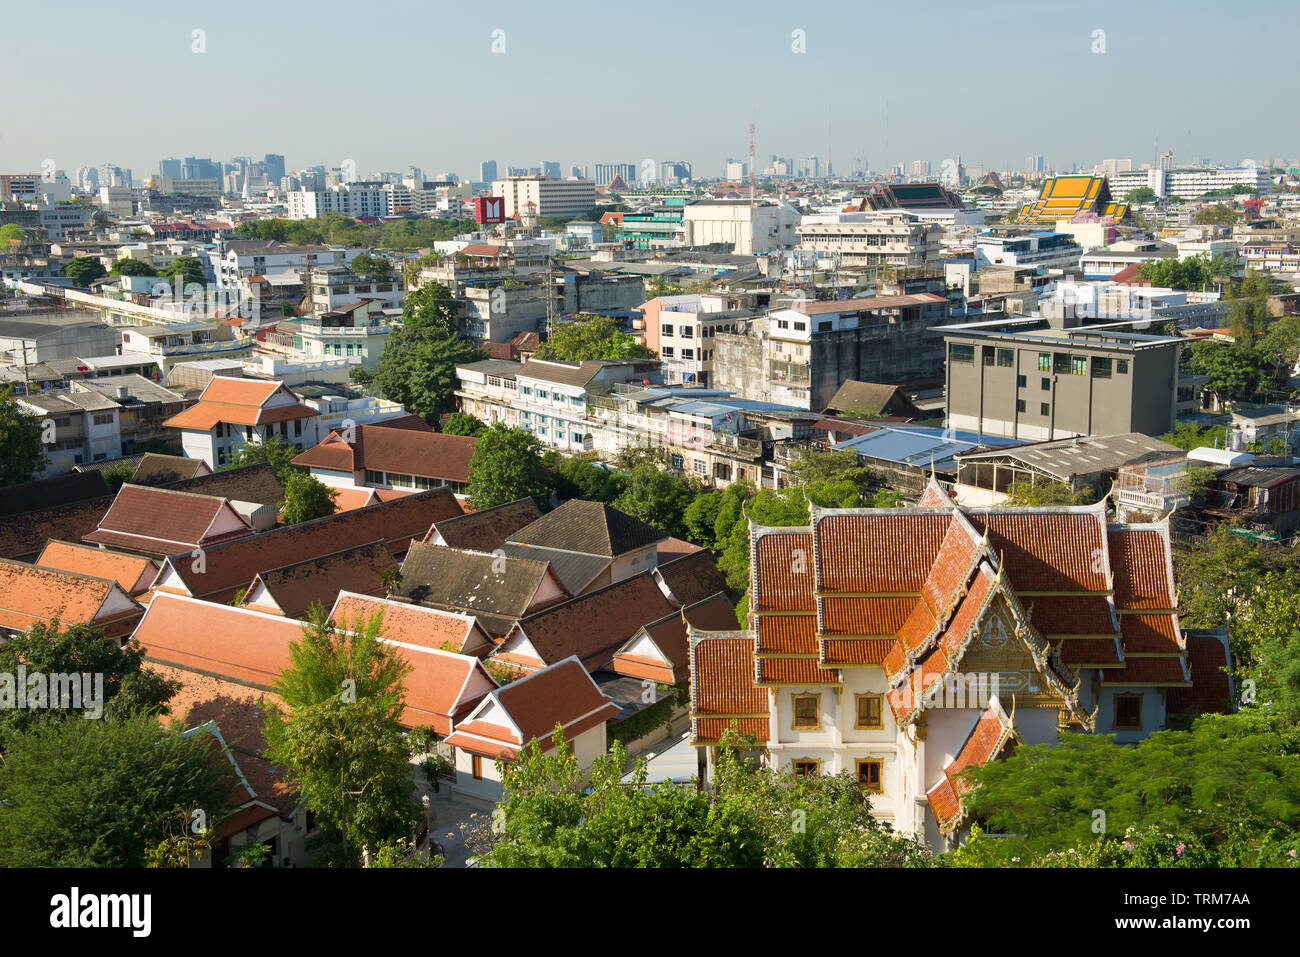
(232, 412)
(1040, 384)
(40, 337)
(1043, 250)
(346, 199)
(749, 229)
(801, 355)
(894, 240)
(1188, 183)
(357, 332)
(552, 198)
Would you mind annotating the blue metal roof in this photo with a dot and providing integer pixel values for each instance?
(919, 445)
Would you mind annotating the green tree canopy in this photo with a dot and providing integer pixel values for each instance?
(418, 365)
(506, 466)
(83, 270)
(182, 271)
(658, 498)
(339, 737)
(104, 793)
(591, 337)
(22, 453)
(1143, 194)
(374, 268)
(11, 233)
(1188, 436)
(1233, 369)
(1046, 492)
(132, 267)
(462, 423)
(275, 451)
(305, 498)
(1217, 215)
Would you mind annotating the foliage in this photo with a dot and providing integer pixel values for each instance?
(1045, 492)
(1230, 785)
(103, 793)
(182, 271)
(11, 233)
(399, 854)
(83, 270)
(1198, 482)
(1233, 369)
(462, 423)
(132, 267)
(657, 715)
(430, 309)
(360, 375)
(658, 498)
(128, 687)
(1281, 342)
(1143, 194)
(438, 768)
(506, 466)
(767, 507)
(1194, 272)
(591, 337)
(1248, 308)
(405, 234)
(374, 268)
(1187, 436)
(338, 735)
(1215, 215)
(305, 498)
(276, 452)
(753, 819)
(22, 453)
(418, 365)
(117, 475)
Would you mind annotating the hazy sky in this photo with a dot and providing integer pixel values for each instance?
(390, 84)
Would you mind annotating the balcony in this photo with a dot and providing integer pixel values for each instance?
(738, 445)
(361, 332)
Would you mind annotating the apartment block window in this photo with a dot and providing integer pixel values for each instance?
(103, 418)
(1101, 368)
(1121, 367)
(676, 461)
(807, 712)
(1061, 362)
(1078, 365)
(806, 768)
(525, 390)
(476, 766)
(1006, 358)
(543, 394)
(869, 776)
(699, 467)
(688, 332)
(1044, 361)
(221, 456)
(1128, 712)
(1020, 382)
(1044, 408)
(688, 353)
(988, 355)
(1020, 405)
(800, 327)
(576, 437)
(297, 427)
(868, 712)
(1046, 384)
(666, 329)
(957, 353)
(824, 326)
(666, 352)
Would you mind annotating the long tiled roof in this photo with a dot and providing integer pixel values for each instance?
(295, 588)
(413, 624)
(592, 528)
(989, 735)
(164, 522)
(492, 586)
(52, 492)
(487, 529)
(129, 571)
(403, 451)
(30, 594)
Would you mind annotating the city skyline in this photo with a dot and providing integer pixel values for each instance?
(847, 96)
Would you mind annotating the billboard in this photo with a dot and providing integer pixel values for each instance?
(489, 210)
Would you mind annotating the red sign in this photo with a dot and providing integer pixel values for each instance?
(489, 210)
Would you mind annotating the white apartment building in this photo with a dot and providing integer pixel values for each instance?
(1045, 250)
(239, 259)
(765, 226)
(894, 239)
(555, 198)
(1186, 183)
(346, 199)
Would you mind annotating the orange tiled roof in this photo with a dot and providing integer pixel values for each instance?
(1211, 689)
(989, 735)
(413, 624)
(129, 571)
(164, 522)
(722, 686)
(30, 594)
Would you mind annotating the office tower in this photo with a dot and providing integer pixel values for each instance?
(487, 171)
(550, 169)
(606, 173)
(920, 169)
(170, 167)
(1167, 160)
(273, 167)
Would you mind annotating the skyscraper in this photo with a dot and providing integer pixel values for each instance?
(487, 171)
(273, 166)
(170, 167)
(550, 169)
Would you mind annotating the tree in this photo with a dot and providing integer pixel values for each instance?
(132, 267)
(275, 451)
(103, 793)
(361, 375)
(83, 270)
(338, 735)
(1231, 784)
(118, 475)
(22, 453)
(658, 498)
(182, 271)
(1045, 492)
(1281, 343)
(506, 466)
(128, 688)
(1143, 194)
(1187, 436)
(418, 369)
(1248, 307)
(1233, 369)
(462, 423)
(374, 268)
(591, 337)
(306, 497)
(431, 308)
(768, 507)
(11, 233)
(1216, 215)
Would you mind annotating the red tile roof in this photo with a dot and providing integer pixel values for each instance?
(413, 624)
(238, 401)
(293, 589)
(30, 594)
(163, 522)
(487, 529)
(402, 450)
(989, 735)
(134, 573)
(669, 636)
(1211, 690)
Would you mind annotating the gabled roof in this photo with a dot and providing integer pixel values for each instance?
(402, 450)
(30, 594)
(692, 577)
(487, 529)
(992, 730)
(589, 627)
(293, 589)
(723, 689)
(414, 624)
(238, 401)
(164, 522)
(134, 573)
(155, 469)
(593, 528)
(872, 397)
(660, 650)
(226, 567)
(52, 492)
(530, 708)
(496, 588)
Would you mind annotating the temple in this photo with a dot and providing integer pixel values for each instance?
(1068, 197)
(906, 645)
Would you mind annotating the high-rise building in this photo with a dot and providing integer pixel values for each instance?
(273, 167)
(559, 198)
(110, 175)
(607, 172)
(170, 167)
(920, 169)
(735, 170)
(550, 169)
(674, 172)
(1167, 160)
(88, 179)
(1035, 164)
(487, 171)
(195, 168)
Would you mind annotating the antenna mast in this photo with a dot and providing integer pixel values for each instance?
(751, 165)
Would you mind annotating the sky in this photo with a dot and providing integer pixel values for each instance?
(394, 84)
